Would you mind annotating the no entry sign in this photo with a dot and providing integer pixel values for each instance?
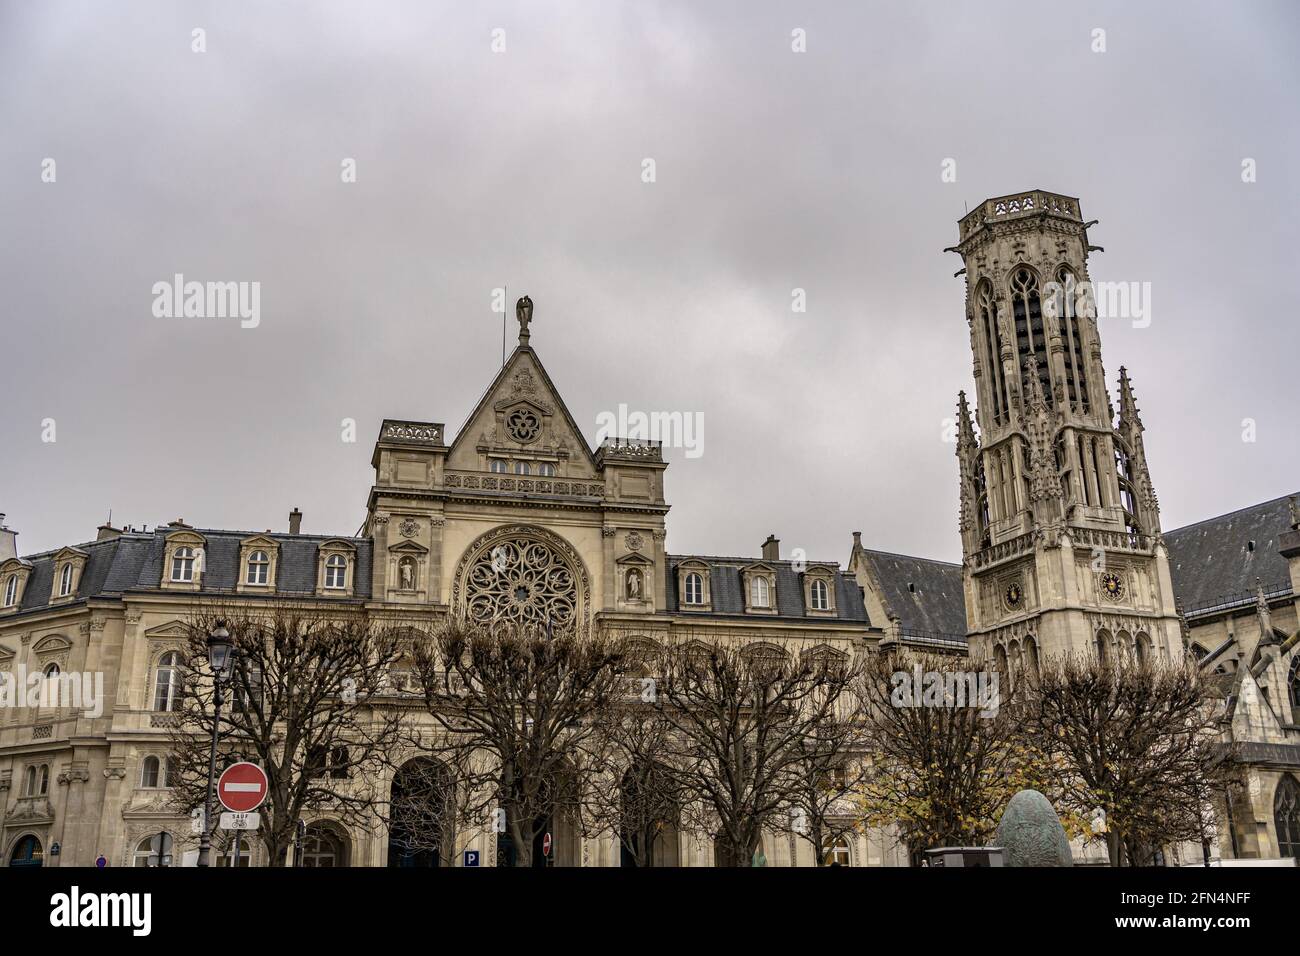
(242, 787)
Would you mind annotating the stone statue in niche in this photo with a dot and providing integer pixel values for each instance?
(406, 574)
(634, 585)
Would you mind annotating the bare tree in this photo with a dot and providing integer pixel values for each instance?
(301, 702)
(1136, 739)
(519, 710)
(826, 781)
(638, 795)
(942, 758)
(743, 722)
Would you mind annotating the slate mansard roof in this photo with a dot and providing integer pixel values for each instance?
(727, 592)
(1213, 563)
(926, 596)
(134, 562)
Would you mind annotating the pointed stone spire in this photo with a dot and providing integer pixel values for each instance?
(968, 471)
(1035, 400)
(1184, 628)
(1128, 410)
(1263, 614)
(965, 425)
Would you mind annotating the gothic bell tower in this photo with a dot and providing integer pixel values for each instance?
(1061, 543)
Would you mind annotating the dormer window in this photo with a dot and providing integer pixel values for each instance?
(819, 591)
(11, 591)
(183, 565)
(65, 581)
(693, 586)
(259, 568)
(758, 583)
(336, 569)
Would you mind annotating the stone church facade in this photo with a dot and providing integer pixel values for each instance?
(1062, 550)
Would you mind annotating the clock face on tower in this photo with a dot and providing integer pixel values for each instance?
(1112, 585)
(1014, 595)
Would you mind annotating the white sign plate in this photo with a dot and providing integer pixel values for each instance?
(240, 821)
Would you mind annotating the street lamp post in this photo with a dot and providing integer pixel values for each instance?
(219, 659)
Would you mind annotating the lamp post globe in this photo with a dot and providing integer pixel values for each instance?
(219, 646)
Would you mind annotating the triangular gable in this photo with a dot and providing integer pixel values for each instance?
(633, 557)
(408, 547)
(170, 630)
(522, 381)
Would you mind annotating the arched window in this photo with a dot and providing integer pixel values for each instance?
(321, 848)
(1286, 816)
(65, 581)
(149, 772)
(166, 685)
(155, 850)
(11, 591)
(52, 671)
(497, 466)
(43, 787)
(1076, 378)
(29, 782)
(694, 588)
(521, 468)
(259, 568)
(546, 470)
(183, 564)
(336, 571)
(821, 596)
(838, 854)
(27, 852)
(1031, 341)
(759, 592)
(987, 308)
(1293, 683)
(1000, 660)
(1031, 655)
(1102, 646)
(1142, 648)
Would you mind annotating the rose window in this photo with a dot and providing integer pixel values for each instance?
(523, 425)
(519, 580)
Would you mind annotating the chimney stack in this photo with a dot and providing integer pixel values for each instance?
(295, 521)
(857, 540)
(8, 541)
(106, 532)
(771, 548)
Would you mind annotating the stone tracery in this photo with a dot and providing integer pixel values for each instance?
(521, 575)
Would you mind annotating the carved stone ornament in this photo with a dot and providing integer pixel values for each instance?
(521, 575)
(409, 528)
(634, 541)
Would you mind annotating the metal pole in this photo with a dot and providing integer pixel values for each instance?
(205, 840)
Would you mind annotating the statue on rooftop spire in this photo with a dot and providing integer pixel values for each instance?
(524, 313)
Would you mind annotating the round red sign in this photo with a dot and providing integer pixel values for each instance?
(242, 787)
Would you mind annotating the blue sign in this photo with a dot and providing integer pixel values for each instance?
(471, 857)
(101, 862)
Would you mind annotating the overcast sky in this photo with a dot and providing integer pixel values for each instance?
(476, 169)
